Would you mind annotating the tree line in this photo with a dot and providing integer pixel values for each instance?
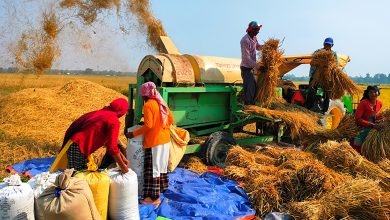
(379, 78)
(87, 71)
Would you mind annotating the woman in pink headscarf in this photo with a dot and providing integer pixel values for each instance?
(157, 120)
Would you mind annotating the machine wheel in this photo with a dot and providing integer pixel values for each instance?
(334, 114)
(216, 146)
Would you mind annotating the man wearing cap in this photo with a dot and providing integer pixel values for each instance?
(249, 46)
(328, 44)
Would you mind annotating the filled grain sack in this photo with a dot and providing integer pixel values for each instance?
(69, 198)
(135, 155)
(16, 199)
(179, 140)
(123, 198)
(99, 183)
(41, 181)
(38, 184)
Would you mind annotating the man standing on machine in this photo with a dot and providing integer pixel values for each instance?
(249, 46)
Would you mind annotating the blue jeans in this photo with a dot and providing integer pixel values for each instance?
(249, 85)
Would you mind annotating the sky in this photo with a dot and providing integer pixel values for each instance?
(215, 27)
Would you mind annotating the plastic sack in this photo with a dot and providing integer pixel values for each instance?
(123, 198)
(179, 141)
(38, 184)
(69, 198)
(99, 183)
(16, 199)
(135, 154)
(41, 181)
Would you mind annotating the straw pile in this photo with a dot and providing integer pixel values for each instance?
(346, 130)
(330, 77)
(376, 146)
(353, 199)
(153, 26)
(44, 114)
(274, 176)
(385, 165)
(299, 122)
(268, 71)
(343, 158)
(88, 10)
(195, 164)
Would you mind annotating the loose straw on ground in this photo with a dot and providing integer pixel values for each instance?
(330, 77)
(342, 157)
(346, 130)
(353, 199)
(195, 164)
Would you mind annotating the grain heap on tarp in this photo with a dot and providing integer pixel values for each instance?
(353, 199)
(346, 130)
(299, 122)
(330, 77)
(43, 114)
(267, 70)
(376, 146)
(343, 158)
(274, 176)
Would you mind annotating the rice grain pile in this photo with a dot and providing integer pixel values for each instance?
(300, 123)
(343, 158)
(353, 199)
(330, 77)
(268, 71)
(376, 146)
(44, 114)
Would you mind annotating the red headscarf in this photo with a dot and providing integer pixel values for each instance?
(149, 90)
(119, 106)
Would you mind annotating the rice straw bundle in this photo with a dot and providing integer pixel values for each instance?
(299, 123)
(376, 146)
(346, 130)
(385, 165)
(309, 181)
(342, 157)
(268, 71)
(330, 77)
(264, 194)
(239, 157)
(195, 164)
(236, 173)
(353, 199)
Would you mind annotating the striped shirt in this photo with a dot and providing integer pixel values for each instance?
(248, 51)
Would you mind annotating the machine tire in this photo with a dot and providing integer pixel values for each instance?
(216, 146)
(337, 109)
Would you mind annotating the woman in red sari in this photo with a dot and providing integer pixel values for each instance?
(366, 115)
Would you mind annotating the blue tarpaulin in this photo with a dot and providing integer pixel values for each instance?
(190, 195)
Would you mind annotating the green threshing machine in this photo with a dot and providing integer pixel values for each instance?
(202, 92)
